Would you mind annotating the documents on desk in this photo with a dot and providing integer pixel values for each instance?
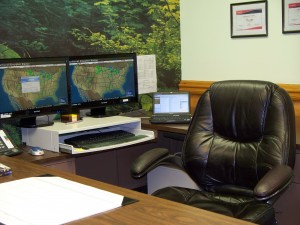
(52, 137)
(52, 200)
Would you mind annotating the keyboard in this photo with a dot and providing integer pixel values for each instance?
(184, 119)
(94, 140)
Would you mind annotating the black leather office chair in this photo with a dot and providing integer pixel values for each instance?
(239, 149)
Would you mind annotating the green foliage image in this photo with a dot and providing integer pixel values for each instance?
(41, 28)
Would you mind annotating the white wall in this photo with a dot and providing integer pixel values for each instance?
(210, 54)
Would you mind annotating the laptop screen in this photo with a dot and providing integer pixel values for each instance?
(171, 102)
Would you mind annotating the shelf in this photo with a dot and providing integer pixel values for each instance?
(52, 137)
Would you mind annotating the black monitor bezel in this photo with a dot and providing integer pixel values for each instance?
(101, 104)
(38, 111)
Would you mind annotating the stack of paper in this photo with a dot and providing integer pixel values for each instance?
(52, 200)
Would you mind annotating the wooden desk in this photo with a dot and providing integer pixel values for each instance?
(117, 161)
(290, 200)
(148, 209)
(175, 128)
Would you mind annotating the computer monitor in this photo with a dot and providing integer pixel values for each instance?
(32, 87)
(98, 81)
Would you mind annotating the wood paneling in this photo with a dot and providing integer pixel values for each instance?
(197, 88)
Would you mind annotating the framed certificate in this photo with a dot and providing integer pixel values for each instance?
(249, 19)
(290, 16)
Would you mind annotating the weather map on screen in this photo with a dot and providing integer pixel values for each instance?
(27, 86)
(101, 80)
(98, 81)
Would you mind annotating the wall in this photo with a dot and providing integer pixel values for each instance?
(210, 54)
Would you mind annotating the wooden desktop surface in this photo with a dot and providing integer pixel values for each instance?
(148, 209)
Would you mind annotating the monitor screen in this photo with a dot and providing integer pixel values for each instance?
(171, 102)
(103, 80)
(32, 87)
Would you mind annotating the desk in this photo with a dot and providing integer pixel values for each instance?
(175, 128)
(112, 166)
(148, 209)
(170, 136)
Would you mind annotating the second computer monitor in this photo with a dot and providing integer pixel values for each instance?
(98, 81)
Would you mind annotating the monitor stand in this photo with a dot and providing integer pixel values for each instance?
(32, 122)
(97, 112)
(100, 112)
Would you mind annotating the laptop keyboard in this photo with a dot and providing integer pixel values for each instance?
(185, 119)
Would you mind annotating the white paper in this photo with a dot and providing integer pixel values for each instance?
(147, 77)
(247, 20)
(52, 200)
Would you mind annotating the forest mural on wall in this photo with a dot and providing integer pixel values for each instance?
(38, 28)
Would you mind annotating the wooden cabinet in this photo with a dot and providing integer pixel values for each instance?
(113, 166)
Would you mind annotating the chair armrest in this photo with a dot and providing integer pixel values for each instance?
(273, 182)
(152, 159)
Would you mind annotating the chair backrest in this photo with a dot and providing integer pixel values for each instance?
(239, 131)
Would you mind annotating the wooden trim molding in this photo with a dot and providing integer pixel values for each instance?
(197, 88)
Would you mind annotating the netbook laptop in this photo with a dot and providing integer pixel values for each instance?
(171, 107)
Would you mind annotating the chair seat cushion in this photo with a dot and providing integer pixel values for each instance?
(244, 208)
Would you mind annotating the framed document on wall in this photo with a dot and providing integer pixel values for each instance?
(249, 19)
(290, 16)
